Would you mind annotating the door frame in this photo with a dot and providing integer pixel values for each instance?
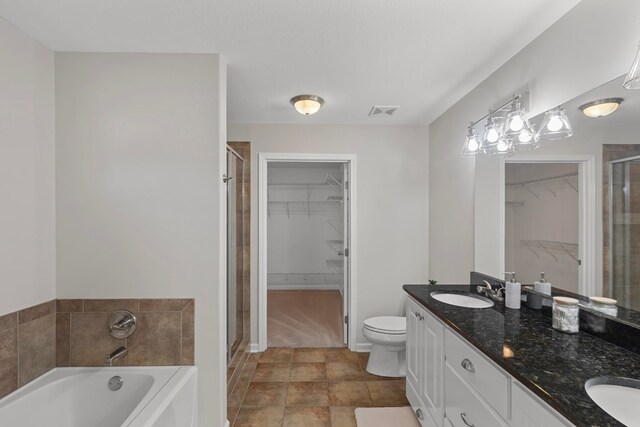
(263, 160)
(586, 206)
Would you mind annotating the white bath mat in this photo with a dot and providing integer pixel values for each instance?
(386, 417)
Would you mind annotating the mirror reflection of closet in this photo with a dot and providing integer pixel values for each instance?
(542, 222)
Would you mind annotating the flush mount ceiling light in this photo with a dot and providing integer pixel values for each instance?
(507, 130)
(632, 81)
(307, 104)
(601, 107)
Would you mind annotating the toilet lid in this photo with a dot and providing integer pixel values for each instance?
(392, 324)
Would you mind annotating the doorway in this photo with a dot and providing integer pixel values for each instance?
(306, 250)
(560, 179)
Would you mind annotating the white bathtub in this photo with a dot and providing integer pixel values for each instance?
(80, 397)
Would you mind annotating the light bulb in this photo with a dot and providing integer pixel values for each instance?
(492, 135)
(473, 145)
(502, 146)
(516, 123)
(555, 124)
(525, 136)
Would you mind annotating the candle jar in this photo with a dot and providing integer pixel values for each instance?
(566, 315)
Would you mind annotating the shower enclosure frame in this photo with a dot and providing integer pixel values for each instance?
(234, 179)
(263, 160)
(610, 165)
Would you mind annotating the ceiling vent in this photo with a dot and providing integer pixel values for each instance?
(383, 110)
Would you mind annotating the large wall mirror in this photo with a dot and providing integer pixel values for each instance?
(570, 208)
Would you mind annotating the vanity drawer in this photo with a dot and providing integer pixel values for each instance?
(463, 406)
(487, 380)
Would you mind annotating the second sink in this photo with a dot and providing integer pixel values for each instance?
(619, 397)
(467, 300)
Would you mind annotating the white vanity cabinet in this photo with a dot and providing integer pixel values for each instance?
(528, 411)
(451, 384)
(425, 360)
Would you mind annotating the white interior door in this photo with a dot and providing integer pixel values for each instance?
(345, 251)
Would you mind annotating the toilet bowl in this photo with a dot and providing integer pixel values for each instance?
(388, 336)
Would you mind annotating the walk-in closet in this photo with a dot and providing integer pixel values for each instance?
(305, 254)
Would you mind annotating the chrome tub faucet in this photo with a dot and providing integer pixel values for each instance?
(118, 353)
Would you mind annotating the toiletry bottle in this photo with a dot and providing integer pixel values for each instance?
(542, 285)
(513, 291)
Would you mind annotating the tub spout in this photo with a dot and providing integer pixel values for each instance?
(116, 354)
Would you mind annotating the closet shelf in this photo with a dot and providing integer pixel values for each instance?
(549, 184)
(302, 208)
(551, 247)
(336, 245)
(304, 278)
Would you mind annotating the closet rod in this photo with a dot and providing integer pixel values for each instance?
(542, 181)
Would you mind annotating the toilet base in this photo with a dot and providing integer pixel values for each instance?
(387, 363)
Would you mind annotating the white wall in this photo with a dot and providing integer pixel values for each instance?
(392, 176)
(139, 191)
(570, 58)
(27, 159)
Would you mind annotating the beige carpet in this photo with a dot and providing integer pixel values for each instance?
(386, 417)
(304, 319)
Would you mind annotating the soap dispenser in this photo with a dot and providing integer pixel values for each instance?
(513, 291)
(542, 285)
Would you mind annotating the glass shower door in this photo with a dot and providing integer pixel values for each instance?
(624, 233)
(235, 234)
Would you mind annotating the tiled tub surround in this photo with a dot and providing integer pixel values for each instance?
(553, 365)
(163, 335)
(27, 345)
(75, 333)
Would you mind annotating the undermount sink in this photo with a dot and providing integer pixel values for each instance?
(617, 396)
(467, 300)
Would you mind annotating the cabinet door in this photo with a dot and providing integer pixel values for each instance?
(413, 343)
(526, 411)
(431, 378)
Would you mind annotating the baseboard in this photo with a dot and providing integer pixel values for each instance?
(253, 348)
(363, 347)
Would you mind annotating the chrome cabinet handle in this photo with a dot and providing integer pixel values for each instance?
(464, 419)
(418, 315)
(419, 414)
(466, 364)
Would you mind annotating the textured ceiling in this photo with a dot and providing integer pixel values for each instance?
(422, 55)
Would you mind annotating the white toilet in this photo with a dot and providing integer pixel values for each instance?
(388, 335)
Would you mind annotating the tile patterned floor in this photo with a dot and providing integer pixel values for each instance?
(309, 387)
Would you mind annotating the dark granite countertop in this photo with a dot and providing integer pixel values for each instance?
(551, 364)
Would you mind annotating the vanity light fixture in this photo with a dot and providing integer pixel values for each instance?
(632, 81)
(473, 145)
(601, 107)
(307, 104)
(507, 130)
(491, 131)
(555, 125)
(515, 120)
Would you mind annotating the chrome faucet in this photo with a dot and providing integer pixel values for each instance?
(116, 354)
(494, 294)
